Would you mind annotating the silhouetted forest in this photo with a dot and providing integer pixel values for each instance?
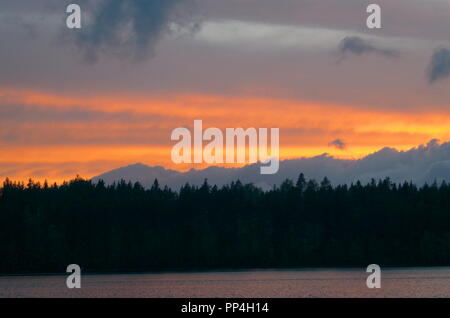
(124, 227)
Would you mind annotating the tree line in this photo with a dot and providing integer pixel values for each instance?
(125, 227)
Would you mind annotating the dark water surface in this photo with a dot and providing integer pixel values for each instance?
(396, 282)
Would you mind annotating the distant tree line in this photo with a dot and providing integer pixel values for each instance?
(124, 227)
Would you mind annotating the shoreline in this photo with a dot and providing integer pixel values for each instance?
(226, 270)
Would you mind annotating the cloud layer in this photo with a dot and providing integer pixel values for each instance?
(424, 164)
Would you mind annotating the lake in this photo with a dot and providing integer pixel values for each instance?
(396, 282)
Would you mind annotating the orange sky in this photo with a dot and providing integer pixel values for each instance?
(129, 129)
(85, 101)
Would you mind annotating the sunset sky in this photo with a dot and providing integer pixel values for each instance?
(87, 101)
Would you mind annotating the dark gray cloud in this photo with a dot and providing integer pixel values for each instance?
(440, 65)
(359, 46)
(338, 143)
(131, 27)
